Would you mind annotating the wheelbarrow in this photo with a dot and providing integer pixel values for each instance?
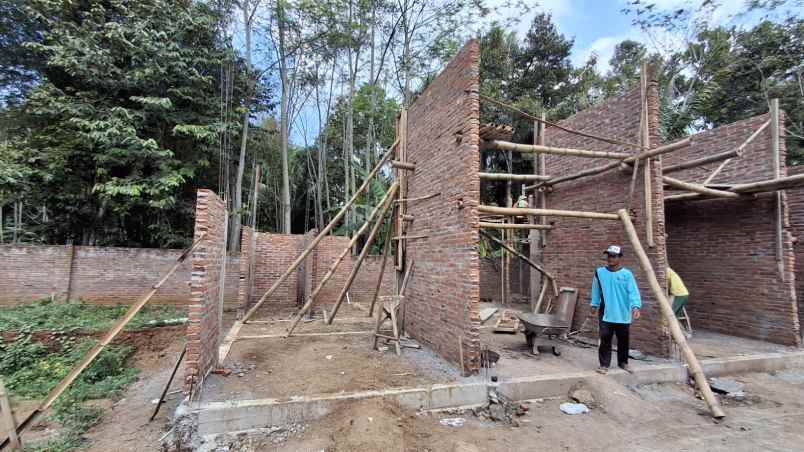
(545, 325)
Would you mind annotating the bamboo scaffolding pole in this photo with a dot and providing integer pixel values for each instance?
(385, 252)
(9, 422)
(514, 177)
(557, 126)
(681, 144)
(420, 198)
(539, 149)
(697, 188)
(702, 161)
(522, 256)
(783, 183)
(777, 174)
(308, 304)
(642, 126)
(670, 318)
(403, 165)
(317, 239)
(104, 341)
(356, 266)
(402, 136)
(410, 237)
(513, 211)
(740, 150)
(489, 225)
(647, 167)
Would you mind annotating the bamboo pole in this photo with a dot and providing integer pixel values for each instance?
(356, 266)
(521, 256)
(105, 340)
(488, 225)
(383, 205)
(697, 188)
(538, 304)
(702, 161)
(320, 235)
(647, 167)
(514, 177)
(420, 198)
(403, 165)
(670, 318)
(385, 252)
(777, 174)
(402, 136)
(9, 423)
(783, 183)
(539, 149)
(513, 211)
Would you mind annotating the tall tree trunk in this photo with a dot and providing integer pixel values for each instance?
(369, 163)
(283, 121)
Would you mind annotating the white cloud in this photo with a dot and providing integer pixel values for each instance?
(604, 48)
(502, 13)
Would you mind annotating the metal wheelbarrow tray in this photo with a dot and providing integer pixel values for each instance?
(550, 325)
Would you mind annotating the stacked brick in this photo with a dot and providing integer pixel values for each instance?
(442, 299)
(724, 249)
(575, 246)
(102, 275)
(204, 325)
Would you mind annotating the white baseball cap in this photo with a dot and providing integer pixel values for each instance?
(613, 250)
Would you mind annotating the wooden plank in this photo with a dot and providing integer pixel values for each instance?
(512, 211)
(9, 423)
(670, 319)
(324, 232)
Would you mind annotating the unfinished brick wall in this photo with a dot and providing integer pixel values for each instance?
(724, 249)
(204, 326)
(102, 275)
(275, 253)
(795, 204)
(575, 246)
(442, 299)
(491, 283)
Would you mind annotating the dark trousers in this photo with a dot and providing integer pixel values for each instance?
(607, 331)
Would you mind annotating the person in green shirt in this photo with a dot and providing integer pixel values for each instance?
(679, 295)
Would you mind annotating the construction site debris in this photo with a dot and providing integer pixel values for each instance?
(452, 422)
(500, 409)
(573, 408)
(726, 385)
(486, 314)
(582, 396)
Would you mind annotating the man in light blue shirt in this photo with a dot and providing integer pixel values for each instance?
(615, 301)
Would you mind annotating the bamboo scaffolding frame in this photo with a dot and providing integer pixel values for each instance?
(697, 188)
(539, 149)
(385, 253)
(516, 253)
(783, 183)
(403, 165)
(420, 198)
(103, 342)
(317, 239)
(491, 225)
(647, 167)
(667, 312)
(363, 253)
(308, 304)
(702, 161)
(739, 149)
(514, 177)
(513, 211)
(777, 174)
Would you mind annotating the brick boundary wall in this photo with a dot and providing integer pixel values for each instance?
(575, 246)
(795, 204)
(724, 249)
(442, 299)
(204, 326)
(275, 253)
(95, 274)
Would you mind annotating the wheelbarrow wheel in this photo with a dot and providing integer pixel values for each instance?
(529, 337)
(556, 352)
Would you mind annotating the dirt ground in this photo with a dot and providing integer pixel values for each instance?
(659, 417)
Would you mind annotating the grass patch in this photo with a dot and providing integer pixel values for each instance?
(29, 371)
(45, 315)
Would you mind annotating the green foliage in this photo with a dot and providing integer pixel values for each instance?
(44, 315)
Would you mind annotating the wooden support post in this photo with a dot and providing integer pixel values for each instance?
(777, 174)
(9, 423)
(647, 167)
(542, 195)
(420, 198)
(363, 253)
(403, 165)
(104, 341)
(167, 385)
(319, 237)
(252, 245)
(385, 252)
(382, 206)
(548, 212)
(667, 311)
(402, 136)
(538, 149)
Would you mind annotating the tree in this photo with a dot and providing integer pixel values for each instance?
(124, 123)
(625, 65)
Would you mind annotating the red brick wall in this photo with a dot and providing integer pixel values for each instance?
(103, 275)
(275, 253)
(575, 246)
(491, 284)
(725, 249)
(442, 301)
(795, 204)
(204, 327)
